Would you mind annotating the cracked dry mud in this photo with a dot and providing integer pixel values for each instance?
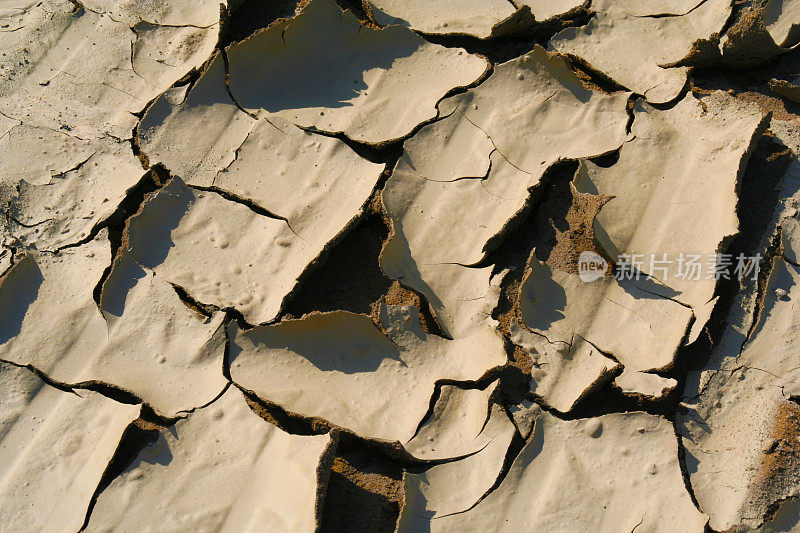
(319, 265)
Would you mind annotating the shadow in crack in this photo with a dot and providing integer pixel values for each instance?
(18, 291)
(125, 275)
(156, 454)
(364, 491)
(295, 68)
(350, 279)
(150, 231)
(648, 288)
(542, 299)
(338, 341)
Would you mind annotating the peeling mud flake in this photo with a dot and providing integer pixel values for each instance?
(562, 374)
(513, 124)
(476, 18)
(457, 426)
(339, 367)
(54, 448)
(639, 329)
(524, 414)
(741, 431)
(387, 83)
(144, 339)
(614, 473)
(782, 21)
(5, 259)
(89, 68)
(230, 254)
(629, 43)
(787, 89)
(691, 155)
(220, 469)
(456, 487)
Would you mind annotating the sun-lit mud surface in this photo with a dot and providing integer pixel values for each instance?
(399, 265)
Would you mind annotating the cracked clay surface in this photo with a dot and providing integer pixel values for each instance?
(399, 266)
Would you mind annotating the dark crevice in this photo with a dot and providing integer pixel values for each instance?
(116, 223)
(364, 491)
(77, 6)
(141, 433)
(687, 482)
(672, 15)
(11, 218)
(771, 254)
(108, 390)
(42, 376)
(479, 384)
(248, 203)
(290, 422)
(198, 307)
(339, 264)
(136, 149)
(361, 9)
(226, 64)
(250, 16)
(596, 78)
(610, 399)
(666, 106)
(134, 198)
(350, 278)
(387, 152)
(515, 36)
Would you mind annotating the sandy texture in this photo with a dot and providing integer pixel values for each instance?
(393, 265)
(358, 93)
(243, 472)
(623, 466)
(54, 447)
(475, 196)
(142, 338)
(635, 46)
(361, 393)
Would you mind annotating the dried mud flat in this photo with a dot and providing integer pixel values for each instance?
(279, 265)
